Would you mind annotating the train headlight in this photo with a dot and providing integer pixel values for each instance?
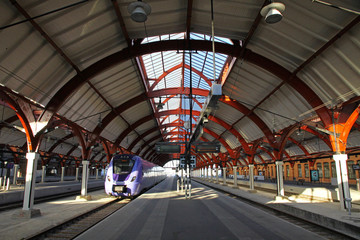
(133, 178)
(108, 178)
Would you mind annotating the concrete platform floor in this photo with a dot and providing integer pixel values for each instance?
(163, 213)
(52, 213)
(321, 212)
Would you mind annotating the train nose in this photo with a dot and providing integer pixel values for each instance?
(119, 189)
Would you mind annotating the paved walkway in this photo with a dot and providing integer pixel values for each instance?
(52, 213)
(325, 213)
(164, 213)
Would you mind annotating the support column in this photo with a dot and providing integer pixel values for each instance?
(235, 176)
(62, 174)
(217, 174)
(280, 179)
(16, 168)
(206, 173)
(28, 211)
(84, 181)
(97, 173)
(43, 172)
(182, 180)
(251, 178)
(224, 175)
(342, 180)
(77, 174)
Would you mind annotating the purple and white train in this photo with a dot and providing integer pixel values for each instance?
(128, 175)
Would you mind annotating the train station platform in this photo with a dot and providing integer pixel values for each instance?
(164, 213)
(16, 192)
(53, 213)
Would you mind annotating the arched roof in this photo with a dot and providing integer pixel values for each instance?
(89, 65)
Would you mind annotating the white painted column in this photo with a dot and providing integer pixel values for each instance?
(32, 159)
(235, 176)
(251, 177)
(84, 179)
(206, 173)
(342, 179)
(182, 180)
(217, 174)
(280, 178)
(97, 173)
(224, 175)
(16, 168)
(77, 174)
(43, 172)
(62, 174)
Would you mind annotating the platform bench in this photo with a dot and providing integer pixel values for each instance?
(300, 181)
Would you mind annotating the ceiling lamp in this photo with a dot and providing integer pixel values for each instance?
(160, 105)
(139, 11)
(272, 12)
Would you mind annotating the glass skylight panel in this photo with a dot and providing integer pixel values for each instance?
(174, 79)
(156, 63)
(173, 103)
(177, 36)
(171, 59)
(204, 85)
(172, 118)
(160, 85)
(164, 37)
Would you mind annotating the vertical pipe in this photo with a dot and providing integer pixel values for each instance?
(16, 167)
(43, 172)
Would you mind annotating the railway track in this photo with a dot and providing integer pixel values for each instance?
(310, 226)
(77, 225)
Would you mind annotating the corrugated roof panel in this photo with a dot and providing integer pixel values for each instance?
(121, 76)
(353, 139)
(146, 126)
(294, 150)
(231, 19)
(63, 148)
(248, 130)
(283, 108)
(231, 140)
(165, 18)
(265, 156)
(142, 147)
(75, 102)
(98, 34)
(249, 83)
(227, 113)
(305, 23)
(114, 129)
(214, 127)
(332, 74)
(142, 141)
(315, 145)
(137, 111)
(40, 71)
(12, 137)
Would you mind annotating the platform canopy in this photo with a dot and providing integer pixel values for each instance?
(81, 79)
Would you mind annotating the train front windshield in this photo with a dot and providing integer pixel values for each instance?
(122, 166)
